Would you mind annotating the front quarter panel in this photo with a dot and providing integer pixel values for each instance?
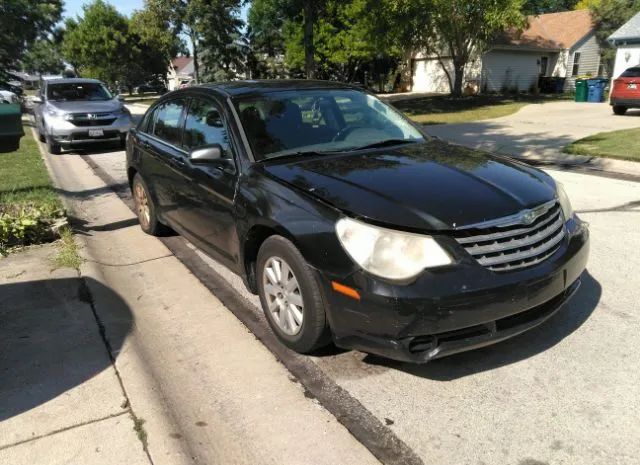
(308, 223)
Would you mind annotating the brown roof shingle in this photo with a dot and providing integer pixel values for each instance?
(551, 31)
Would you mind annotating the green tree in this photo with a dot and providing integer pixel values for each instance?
(98, 44)
(213, 28)
(538, 7)
(22, 22)
(608, 16)
(43, 57)
(462, 29)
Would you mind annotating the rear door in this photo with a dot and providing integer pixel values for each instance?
(209, 216)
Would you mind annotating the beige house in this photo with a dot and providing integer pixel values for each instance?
(553, 45)
(180, 72)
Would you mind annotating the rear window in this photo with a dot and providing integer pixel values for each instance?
(631, 72)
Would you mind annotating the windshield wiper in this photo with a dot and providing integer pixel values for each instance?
(301, 153)
(385, 143)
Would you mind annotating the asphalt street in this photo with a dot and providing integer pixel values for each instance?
(567, 392)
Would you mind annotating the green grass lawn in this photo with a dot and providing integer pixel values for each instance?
(24, 177)
(445, 110)
(29, 205)
(624, 144)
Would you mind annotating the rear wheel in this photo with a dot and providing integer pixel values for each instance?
(144, 207)
(619, 109)
(291, 297)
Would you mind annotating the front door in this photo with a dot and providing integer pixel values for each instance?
(209, 218)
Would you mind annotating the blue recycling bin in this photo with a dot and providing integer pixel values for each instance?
(596, 90)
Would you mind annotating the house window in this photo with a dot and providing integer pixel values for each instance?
(576, 64)
(544, 64)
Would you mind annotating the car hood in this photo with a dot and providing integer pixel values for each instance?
(427, 186)
(87, 107)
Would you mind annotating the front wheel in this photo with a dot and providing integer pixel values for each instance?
(53, 148)
(619, 110)
(290, 296)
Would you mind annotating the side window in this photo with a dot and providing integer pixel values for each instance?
(167, 124)
(204, 125)
(146, 125)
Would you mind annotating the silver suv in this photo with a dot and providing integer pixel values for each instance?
(75, 112)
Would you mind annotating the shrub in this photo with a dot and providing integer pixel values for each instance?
(26, 224)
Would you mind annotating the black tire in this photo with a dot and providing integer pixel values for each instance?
(150, 225)
(41, 137)
(123, 142)
(314, 331)
(619, 110)
(53, 148)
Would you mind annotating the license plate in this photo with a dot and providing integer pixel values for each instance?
(96, 133)
(632, 86)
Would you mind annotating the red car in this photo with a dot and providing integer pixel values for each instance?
(625, 92)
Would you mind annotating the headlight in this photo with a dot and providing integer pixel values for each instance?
(124, 111)
(565, 204)
(387, 253)
(59, 114)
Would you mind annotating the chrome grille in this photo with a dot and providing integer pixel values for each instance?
(506, 248)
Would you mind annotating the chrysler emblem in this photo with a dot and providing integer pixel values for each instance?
(92, 116)
(528, 216)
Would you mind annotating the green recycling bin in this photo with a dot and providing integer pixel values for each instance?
(582, 90)
(10, 127)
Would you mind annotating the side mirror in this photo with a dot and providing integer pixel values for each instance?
(37, 100)
(209, 154)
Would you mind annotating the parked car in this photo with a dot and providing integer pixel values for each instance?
(10, 127)
(352, 224)
(7, 96)
(77, 112)
(625, 92)
(150, 88)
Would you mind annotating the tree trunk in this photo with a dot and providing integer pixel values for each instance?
(196, 66)
(458, 69)
(309, 49)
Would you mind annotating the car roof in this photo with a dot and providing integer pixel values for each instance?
(73, 81)
(257, 87)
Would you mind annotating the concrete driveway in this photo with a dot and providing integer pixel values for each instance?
(540, 131)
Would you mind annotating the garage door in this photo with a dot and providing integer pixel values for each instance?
(428, 76)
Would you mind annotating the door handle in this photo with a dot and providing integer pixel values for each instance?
(179, 162)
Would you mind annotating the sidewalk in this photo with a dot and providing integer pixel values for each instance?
(62, 401)
(208, 390)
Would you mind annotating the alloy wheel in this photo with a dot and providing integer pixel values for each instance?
(283, 295)
(142, 205)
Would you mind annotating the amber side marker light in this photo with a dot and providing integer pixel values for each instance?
(346, 290)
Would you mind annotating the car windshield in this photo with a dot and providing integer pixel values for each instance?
(292, 123)
(87, 91)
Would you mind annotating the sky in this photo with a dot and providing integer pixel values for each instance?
(74, 7)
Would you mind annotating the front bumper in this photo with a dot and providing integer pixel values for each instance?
(67, 134)
(457, 308)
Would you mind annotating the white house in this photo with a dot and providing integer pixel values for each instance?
(180, 72)
(554, 45)
(627, 41)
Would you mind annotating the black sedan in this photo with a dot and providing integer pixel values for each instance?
(350, 223)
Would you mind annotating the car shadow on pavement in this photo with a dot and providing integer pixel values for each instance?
(575, 312)
(50, 341)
